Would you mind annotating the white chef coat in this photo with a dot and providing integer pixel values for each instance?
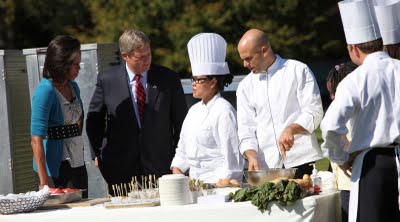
(208, 142)
(369, 98)
(268, 102)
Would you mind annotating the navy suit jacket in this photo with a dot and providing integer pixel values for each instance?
(123, 149)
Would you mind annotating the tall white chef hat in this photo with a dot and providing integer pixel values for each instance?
(359, 21)
(388, 17)
(207, 53)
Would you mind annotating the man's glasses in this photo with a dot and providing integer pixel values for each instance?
(200, 80)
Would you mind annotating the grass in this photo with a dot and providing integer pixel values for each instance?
(322, 164)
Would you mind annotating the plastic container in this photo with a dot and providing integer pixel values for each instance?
(317, 181)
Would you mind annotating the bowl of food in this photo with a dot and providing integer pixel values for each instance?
(259, 177)
(23, 202)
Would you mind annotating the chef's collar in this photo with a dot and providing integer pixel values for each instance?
(375, 56)
(211, 102)
(275, 66)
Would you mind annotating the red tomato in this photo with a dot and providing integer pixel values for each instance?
(55, 190)
(69, 190)
(317, 189)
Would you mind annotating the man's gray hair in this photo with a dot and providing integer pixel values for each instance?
(132, 40)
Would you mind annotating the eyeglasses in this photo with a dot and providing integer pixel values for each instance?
(200, 80)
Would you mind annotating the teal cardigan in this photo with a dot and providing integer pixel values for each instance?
(46, 112)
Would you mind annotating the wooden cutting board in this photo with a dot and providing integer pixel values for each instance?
(129, 205)
(80, 203)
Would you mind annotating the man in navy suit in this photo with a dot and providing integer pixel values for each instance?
(130, 138)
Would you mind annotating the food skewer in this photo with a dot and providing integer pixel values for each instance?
(126, 191)
(150, 184)
(113, 189)
(137, 186)
(133, 184)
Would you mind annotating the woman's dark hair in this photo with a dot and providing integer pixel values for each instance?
(337, 74)
(60, 55)
(393, 50)
(223, 80)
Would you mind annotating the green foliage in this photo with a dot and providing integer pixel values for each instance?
(285, 192)
(304, 30)
(244, 194)
(33, 23)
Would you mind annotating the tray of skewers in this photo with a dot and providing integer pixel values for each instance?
(137, 193)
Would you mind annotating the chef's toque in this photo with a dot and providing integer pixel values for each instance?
(207, 53)
(359, 21)
(388, 17)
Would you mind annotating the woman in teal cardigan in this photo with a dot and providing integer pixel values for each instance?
(57, 118)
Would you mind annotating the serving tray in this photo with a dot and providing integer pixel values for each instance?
(79, 203)
(151, 203)
(64, 197)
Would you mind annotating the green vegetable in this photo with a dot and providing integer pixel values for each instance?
(291, 193)
(263, 197)
(244, 194)
(285, 192)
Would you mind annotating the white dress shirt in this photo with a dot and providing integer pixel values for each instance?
(268, 102)
(208, 142)
(368, 99)
(132, 87)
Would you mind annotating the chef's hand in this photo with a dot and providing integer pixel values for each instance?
(348, 165)
(96, 162)
(251, 156)
(286, 140)
(176, 170)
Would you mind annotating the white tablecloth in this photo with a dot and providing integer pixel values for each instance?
(324, 208)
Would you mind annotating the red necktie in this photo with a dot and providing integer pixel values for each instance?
(140, 96)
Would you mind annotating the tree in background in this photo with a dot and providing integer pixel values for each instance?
(303, 30)
(33, 23)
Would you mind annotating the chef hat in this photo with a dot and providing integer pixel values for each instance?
(207, 53)
(359, 21)
(388, 17)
